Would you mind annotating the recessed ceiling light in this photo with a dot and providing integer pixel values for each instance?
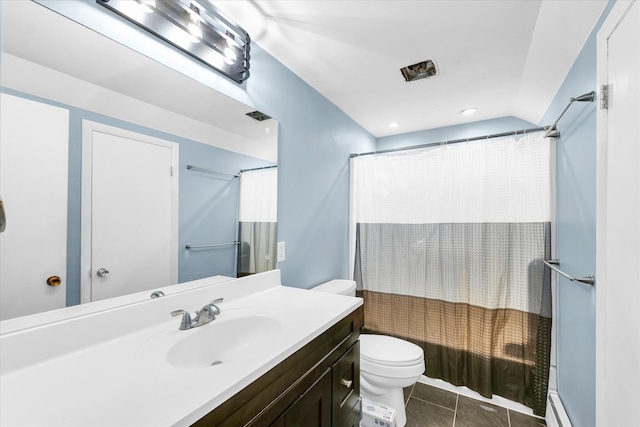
(469, 111)
(393, 124)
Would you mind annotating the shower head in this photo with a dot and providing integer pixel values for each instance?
(587, 97)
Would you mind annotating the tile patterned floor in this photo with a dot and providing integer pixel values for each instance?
(429, 406)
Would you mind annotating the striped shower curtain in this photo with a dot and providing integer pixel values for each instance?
(258, 221)
(448, 246)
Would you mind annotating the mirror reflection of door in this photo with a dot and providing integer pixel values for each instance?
(130, 225)
(33, 183)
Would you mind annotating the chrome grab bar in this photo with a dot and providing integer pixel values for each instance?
(554, 263)
(211, 246)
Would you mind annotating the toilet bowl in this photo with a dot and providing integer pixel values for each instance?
(387, 364)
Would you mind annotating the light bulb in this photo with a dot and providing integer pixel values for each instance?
(194, 24)
(195, 32)
(230, 53)
(147, 6)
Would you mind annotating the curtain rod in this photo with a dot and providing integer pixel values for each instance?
(456, 141)
(260, 168)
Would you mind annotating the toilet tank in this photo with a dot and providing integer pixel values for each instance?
(338, 286)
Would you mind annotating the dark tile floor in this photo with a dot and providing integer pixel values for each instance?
(429, 406)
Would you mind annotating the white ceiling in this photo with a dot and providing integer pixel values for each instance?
(504, 57)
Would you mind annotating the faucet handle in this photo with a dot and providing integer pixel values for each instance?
(217, 301)
(186, 322)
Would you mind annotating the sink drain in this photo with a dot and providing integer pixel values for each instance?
(217, 362)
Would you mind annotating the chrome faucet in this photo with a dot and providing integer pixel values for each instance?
(206, 315)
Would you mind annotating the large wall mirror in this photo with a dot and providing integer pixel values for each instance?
(70, 98)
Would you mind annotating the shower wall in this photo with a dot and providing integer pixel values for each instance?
(576, 236)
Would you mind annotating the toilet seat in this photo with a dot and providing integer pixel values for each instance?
(389, 351)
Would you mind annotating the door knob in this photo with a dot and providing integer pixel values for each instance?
(103, 272)
(54, 281)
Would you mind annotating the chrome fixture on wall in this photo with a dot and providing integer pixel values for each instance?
(587, 97)
(3, 218)
(195, 27)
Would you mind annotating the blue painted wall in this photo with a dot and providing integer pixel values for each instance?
(450, 133)
(315, 139)
(576, 237)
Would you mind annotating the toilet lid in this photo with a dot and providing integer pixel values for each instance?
(337, 286)
(389, 351)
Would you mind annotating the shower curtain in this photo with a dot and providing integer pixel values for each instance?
(448, 248)
(258, 221)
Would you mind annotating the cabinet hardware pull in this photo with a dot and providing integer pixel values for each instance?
(346, 383)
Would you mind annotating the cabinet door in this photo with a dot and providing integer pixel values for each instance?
(346, 384)
(353, 418)
(312, 409)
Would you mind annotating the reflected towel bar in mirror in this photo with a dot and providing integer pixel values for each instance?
(211, 246)
(554, 263)
(199, 169)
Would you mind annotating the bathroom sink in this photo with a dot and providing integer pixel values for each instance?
(233, 336)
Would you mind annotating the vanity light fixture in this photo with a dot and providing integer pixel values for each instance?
(196, 27)
(468, 111)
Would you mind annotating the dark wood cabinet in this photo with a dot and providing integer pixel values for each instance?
(346, 384)
(319, 385)
(312, 409)
(353, 418)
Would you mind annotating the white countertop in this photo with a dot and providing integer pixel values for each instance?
(101, 369)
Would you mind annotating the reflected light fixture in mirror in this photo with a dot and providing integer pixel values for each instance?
(196, 28)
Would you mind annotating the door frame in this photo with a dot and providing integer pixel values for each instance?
(606, 293)
(88, 128)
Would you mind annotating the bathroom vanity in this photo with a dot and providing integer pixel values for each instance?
(275, 356)
(316, 386)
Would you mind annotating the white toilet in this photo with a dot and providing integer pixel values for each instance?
(387, 364)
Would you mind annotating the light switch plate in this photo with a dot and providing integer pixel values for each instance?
(281, 252)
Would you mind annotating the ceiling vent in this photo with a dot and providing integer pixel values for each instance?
(418, 71)
(257, 115)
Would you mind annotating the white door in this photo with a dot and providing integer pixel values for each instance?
(618, 221)
(132, 189)
(34, 153)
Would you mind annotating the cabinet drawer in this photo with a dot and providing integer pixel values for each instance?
(346, 384)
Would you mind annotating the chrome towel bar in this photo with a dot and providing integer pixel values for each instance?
(211, 246)
(554, 263)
